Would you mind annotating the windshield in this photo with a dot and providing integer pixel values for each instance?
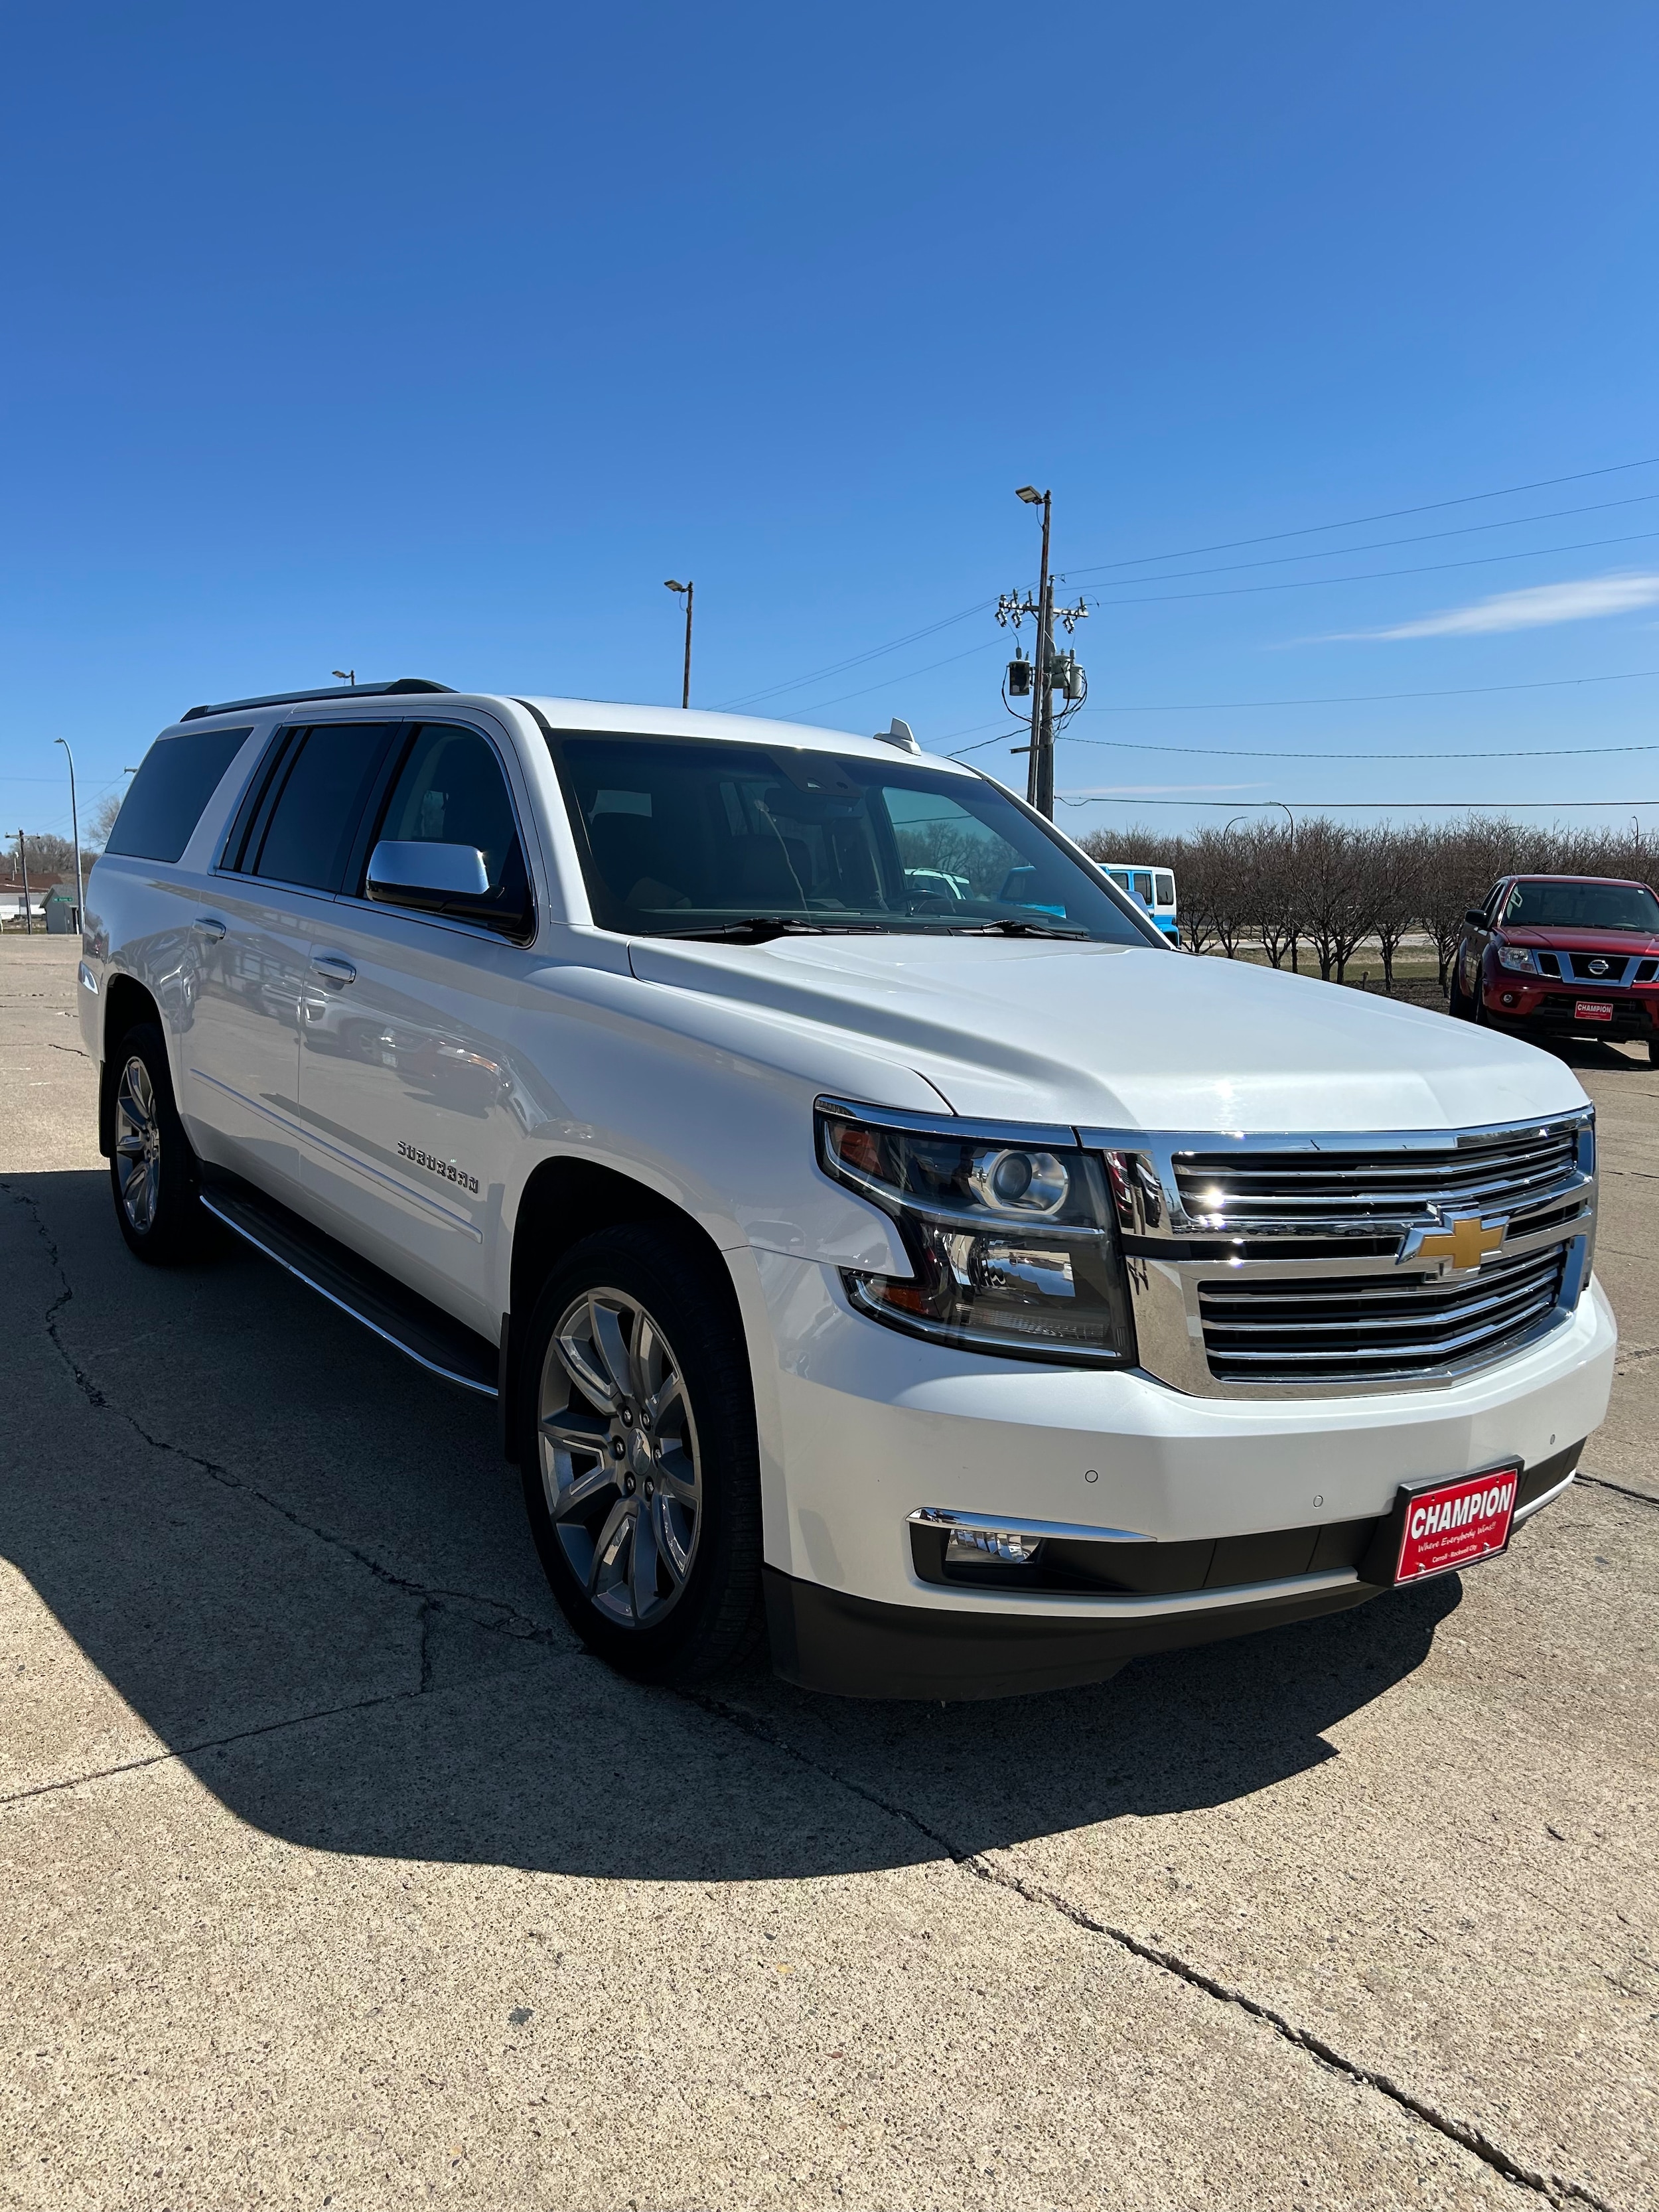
(686, 837)
(1583, 906)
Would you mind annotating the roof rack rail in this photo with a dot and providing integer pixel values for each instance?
(402, 684)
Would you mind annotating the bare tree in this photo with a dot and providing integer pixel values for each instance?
(1332, 862)
(1393, 859)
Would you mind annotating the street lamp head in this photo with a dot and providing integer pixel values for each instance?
(1031, 495)
(345, 675)
(669, 585)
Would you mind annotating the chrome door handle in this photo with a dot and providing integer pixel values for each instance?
(332, 968)
(210, 926)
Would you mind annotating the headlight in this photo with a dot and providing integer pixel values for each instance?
(1011, 1242)
(1515, 956)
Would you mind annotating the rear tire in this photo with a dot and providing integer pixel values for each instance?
(1653, 1052)
(642, 1469)
(154, 1177)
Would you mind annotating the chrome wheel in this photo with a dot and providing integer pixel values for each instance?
(137, 1146)
(619, 1461)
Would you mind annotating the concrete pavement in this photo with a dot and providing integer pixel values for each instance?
(333, 1873)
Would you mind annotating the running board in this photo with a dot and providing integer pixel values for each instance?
(399, 1316)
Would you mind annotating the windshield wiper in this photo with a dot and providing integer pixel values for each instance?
(1009, 928)
(757, 928)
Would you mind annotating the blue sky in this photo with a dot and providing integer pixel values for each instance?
(428, 341)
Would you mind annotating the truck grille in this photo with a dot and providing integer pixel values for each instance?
(1507, 1174)
(1339, 1262)
(1358, 1329)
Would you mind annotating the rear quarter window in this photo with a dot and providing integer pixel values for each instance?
(175, 781)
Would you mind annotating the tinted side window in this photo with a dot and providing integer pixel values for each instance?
(451, 791)
(326, 780)
(175, 781)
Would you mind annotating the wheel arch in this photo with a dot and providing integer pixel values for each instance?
(564, 1201)
(126, 1003)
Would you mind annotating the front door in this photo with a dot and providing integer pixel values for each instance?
(412, 1104)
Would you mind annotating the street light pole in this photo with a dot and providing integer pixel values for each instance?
(74, 826)
(689, 591)
(23, 870)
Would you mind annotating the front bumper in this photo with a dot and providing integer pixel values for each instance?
(1534, 1006)
(873, 1426)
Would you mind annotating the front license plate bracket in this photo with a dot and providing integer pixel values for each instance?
(1441, 1522)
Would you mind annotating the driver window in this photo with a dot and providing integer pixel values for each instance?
(451, 791)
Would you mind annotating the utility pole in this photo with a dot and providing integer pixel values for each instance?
(1049, 672)
(23, 868)
(75, 828)
(1040, 762)
(687, 590)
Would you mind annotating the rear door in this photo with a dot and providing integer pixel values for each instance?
(281, 867)
(413, 1102)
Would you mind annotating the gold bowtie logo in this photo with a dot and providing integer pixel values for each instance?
(1466, 1241)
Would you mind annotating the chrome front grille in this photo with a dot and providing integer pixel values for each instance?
(1509, 1173)
(1280, 1266)
(1345, 1329)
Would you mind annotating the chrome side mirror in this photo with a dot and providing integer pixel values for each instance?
(408, 871)
(446, 880)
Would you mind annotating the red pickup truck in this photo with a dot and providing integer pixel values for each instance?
(1554, 957)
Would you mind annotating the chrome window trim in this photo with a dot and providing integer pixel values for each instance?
(525, 943)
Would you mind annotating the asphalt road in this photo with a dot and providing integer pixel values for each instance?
(334, 1874)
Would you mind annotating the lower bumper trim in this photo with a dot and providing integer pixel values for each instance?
(855, 1647)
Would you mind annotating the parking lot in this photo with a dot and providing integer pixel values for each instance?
(334, 1874)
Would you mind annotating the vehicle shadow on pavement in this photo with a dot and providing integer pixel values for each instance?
(304, 1566)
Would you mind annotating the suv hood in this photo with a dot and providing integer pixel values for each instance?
(1110, 1036)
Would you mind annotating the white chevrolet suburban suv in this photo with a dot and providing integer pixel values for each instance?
(868, 1227)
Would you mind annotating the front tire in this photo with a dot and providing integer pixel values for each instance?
(641, 1470)
(154, 1178)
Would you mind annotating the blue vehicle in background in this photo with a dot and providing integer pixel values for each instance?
(1154, 887)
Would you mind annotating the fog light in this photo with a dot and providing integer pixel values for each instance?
(1509, 997)
(978, 1547)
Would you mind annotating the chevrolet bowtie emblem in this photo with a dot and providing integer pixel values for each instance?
(1463, 1243)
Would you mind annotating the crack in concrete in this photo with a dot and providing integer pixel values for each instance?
(208, 1743)
(1553, 2188)
(491, 1613)
(504, 1619)
(1600, 1482)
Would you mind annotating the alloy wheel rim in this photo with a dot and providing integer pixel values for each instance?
(621, 1467)
(137, 1146)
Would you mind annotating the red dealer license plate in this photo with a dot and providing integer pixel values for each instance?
(1593, 1010)
(1447, 1525)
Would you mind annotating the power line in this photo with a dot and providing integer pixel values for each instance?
(1358, 521)
(1363, 698)
(856, 660)
(1229, 752)
(1352, 805)
(1370, 576)
(1191, 552)
(1330, 699)
(1380, 545)
(887, 681)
